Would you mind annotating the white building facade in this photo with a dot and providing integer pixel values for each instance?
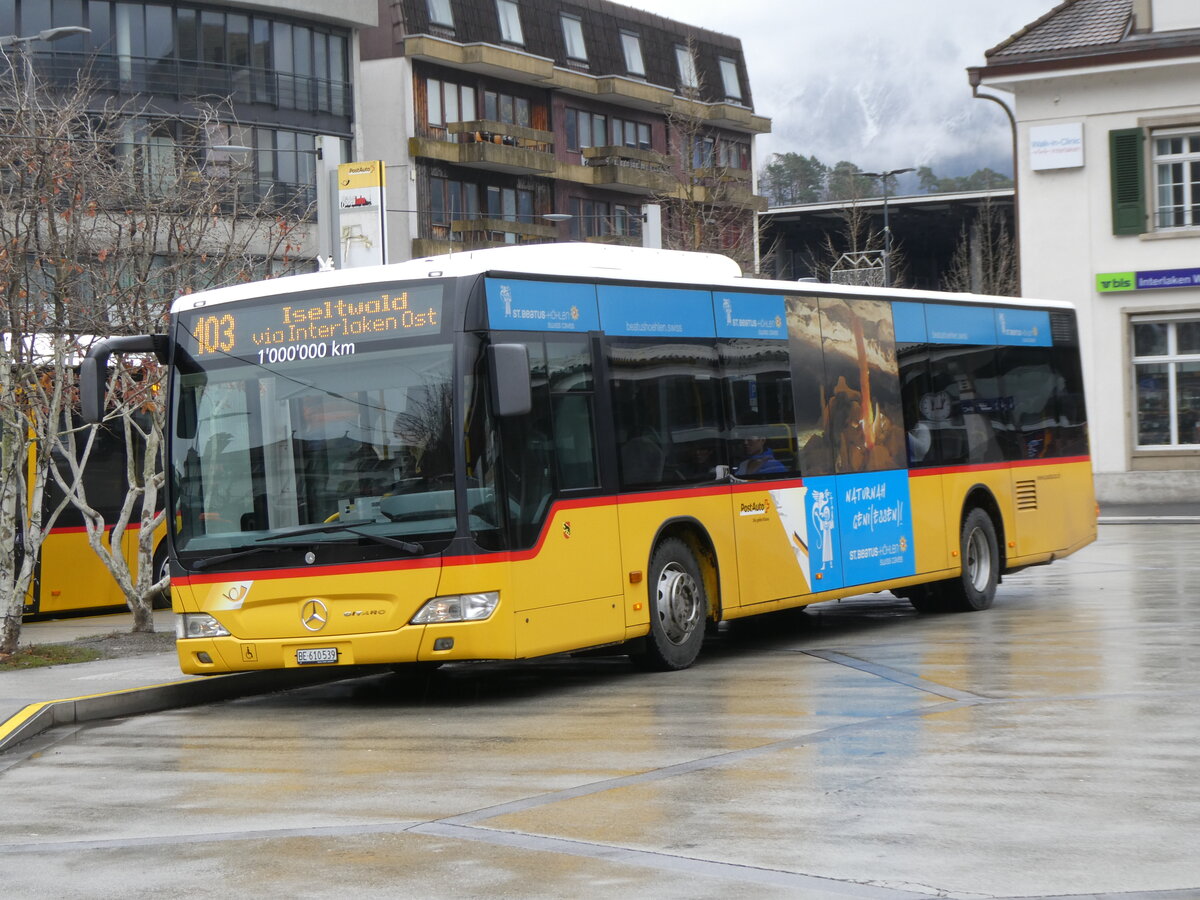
(1104, 95)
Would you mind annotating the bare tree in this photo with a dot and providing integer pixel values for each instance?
(855, 247)
(710, 205)
(985, 260)
(107, 212)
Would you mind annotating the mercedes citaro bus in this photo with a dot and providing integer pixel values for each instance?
(523, 451)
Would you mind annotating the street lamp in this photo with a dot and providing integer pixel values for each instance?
(22, 45)
(887, 231)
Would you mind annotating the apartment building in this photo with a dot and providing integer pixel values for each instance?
(516, 121)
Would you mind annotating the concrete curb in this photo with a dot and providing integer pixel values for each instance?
(36, 718)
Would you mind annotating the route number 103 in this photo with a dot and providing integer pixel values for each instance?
(215, 334)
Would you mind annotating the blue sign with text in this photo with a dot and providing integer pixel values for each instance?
(655, 312)
(875, 524)
(1023, 327)
(541, 305)
(960, 324)
(750, 316)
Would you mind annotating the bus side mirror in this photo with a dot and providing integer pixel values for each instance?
(93, 370)
(512, 391)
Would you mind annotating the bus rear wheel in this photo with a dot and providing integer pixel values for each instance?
(975, 588)
(678, 609)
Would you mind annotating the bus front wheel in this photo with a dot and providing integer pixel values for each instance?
(162, 569)
(975, 588)
(678, 609)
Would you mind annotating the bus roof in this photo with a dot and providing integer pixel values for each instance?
(601, 262)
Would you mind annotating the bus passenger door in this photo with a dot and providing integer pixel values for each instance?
(566, 577)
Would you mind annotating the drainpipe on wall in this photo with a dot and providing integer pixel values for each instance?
(1012, 124)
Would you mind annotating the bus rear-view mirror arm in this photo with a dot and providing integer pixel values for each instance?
(512, 391)
(93, 369)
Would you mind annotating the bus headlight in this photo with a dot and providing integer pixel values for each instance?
(459, 608)
(198, 625)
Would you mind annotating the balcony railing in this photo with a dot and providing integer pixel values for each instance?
(628, 169)
(183, 78)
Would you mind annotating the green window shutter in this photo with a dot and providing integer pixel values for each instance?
(1126, 154)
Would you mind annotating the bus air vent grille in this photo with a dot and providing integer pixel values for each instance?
(1062, 329)
(1027, 495)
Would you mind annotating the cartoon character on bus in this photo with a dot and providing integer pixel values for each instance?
(822, 518)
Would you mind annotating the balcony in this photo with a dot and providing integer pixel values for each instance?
(482, 59)
(184, 78)
(627, 169)
(498, 232)
(723, 115)
(734, 193)
(494, 146)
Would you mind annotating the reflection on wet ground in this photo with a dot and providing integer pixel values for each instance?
(1045, 747)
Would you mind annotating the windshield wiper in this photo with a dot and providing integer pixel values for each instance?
(274, 543)
(352, 528)
(205, 562)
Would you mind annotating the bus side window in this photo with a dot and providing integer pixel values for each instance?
(762, 412)
(569, 368)
(526, 457)
(665, 401)
(924, 412)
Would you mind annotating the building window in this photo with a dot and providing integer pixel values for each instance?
(585, 129)
(627, 133)
(729, 78)
(1176, 179)
(687, 67)
(451, 201)
(572, 27)
(733, 155)
(510, 22)
(448, 102)
(631, 44)
(440, 13)
(507, 108)
(1166, 365)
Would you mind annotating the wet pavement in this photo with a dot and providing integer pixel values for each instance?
(1046, 747)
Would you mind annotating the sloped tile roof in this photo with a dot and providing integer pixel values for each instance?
(1072, 25)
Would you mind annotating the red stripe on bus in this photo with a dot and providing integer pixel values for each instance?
(991, 467)
(504, 556)
(82, 529)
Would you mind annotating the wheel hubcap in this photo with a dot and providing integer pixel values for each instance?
(678, 603)
(979, 560)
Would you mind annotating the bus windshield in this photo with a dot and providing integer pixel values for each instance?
(295, 451)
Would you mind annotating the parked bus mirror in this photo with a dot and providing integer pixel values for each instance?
(93, 371)
(512, 392)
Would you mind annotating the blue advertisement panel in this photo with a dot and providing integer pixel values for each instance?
(750, 316)
(541, 305)
(821, 530)
(1023, 327)
(960, 324)
(655, 312)
(908, 319)
(875, 524)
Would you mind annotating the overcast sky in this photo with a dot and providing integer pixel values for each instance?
(881, 83)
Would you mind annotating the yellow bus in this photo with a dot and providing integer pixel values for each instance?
(525, 451)
(70, 577)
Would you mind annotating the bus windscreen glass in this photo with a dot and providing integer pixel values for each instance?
(327, 420)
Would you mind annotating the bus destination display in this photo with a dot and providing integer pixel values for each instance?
(291, 330)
